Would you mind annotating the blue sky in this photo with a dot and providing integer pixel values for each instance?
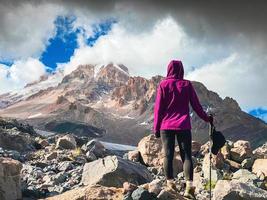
(61, 47)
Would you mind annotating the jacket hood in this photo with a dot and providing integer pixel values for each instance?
(175, 69)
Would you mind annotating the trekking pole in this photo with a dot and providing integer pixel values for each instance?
(210, 132)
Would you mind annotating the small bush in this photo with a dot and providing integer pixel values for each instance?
(207, 185)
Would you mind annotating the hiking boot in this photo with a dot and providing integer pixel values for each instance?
(190, 193)
(171, 185)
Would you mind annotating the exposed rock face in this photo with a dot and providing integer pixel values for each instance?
(113, 75)
(114, 171)
(91, 192)
(110, 100)
(10, 186)
(226, 190)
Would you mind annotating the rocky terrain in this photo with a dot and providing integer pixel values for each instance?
(104, 101)
(71, 167)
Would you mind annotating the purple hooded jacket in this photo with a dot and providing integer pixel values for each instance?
(171, 109)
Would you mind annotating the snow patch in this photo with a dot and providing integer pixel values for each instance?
(144, 123)
(115, 146)
(35, 115)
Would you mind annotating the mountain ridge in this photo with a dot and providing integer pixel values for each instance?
(105, 101)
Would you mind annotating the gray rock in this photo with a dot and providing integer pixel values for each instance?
(66, 142)
(128, 196)
(90, 156)
(228, 190)
(247, 163)
(60, 177)
(96, 147)
(114, 171)
(142, 194)
(51, 156)
(65, 166)
(243, 175)
(10, 183)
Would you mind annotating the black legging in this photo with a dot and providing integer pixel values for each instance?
(184, 139)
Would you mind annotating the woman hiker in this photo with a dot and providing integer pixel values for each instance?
(172, 119)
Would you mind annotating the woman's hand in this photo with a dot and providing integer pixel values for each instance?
(211, 119)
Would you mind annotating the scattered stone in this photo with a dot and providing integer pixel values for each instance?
(91, 192)
(247, 163)
(234, 189)
(142, 194)
(114, 171)
(234, 166)
(196, 146)
(260, 167)
(155, 186)
(240, 151)
(10, 184)
(261, 152)
(90, 156)
(96, 147)
(66, 142)
(44, 143)
(225, 150)
(166, 194)
(134, 155)
(65, 166)
(51, 156)
(128, 187)
(243, 175)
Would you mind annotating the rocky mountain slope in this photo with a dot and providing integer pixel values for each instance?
(104, 101)
(68, 167)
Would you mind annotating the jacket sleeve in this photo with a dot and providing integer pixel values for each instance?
(158, 109)
(194, 101)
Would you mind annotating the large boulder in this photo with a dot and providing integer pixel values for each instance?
(240, 151)
(228, 190)
(10, 185)
(152, 154)
(150, 149)
(260, 167)
(91, 192)
(66, 142)
(114, 171)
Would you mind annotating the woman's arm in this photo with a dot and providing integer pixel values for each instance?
(158, 110)
(194, 101)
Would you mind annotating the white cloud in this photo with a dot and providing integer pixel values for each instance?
(240, 76)
(26, 28)
(146, 53)
(19, 74)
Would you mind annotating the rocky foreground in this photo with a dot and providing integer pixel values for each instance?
(67, 167)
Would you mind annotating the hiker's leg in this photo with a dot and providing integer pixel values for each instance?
(184, 139)
(168, 143)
